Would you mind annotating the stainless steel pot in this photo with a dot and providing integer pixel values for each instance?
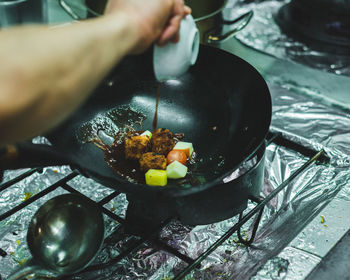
(14, 12)
(207, 15)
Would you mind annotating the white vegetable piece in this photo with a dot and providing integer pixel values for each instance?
(176, 170)
(147, 133)
(186, 146)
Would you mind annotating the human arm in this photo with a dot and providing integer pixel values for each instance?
(46, 73)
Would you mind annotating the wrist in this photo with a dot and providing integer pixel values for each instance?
(122, 29)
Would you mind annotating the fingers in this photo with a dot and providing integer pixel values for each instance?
(171, 32)
(172, 28)
(188, 10)
(179, 7)
(175, 38)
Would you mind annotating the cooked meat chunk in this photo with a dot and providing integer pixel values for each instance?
(162, 141)
(152, 161)
(136, 146)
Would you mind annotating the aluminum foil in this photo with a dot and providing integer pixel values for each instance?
(306, 121)
(264, 35)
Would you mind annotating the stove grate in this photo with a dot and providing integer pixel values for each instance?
(152, 239)
(248, 216)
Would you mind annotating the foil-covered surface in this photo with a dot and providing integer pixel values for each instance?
(309, 122)
(264, 35)
(290, 264)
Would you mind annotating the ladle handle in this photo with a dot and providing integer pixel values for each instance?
(31, 270)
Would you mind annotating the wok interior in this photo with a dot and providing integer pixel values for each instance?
(222, 105)
(207, 121)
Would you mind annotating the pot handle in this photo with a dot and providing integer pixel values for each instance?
(242, 21)
(25, 155)
(70, 11)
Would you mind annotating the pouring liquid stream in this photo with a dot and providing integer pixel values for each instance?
(155, 118)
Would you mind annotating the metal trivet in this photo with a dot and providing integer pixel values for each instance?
(152, 239)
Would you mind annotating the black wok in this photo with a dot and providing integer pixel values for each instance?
(222, 105)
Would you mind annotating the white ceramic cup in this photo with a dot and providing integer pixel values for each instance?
(174, 59)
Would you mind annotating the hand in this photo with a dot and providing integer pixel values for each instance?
(155, 20)
(171, 31)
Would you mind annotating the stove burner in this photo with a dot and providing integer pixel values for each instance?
(132, 243)
(324, 28)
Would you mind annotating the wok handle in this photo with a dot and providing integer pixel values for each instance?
(29, 270)
(242, 21)
(25, 155)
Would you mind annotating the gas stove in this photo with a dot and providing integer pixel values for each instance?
(283, 234)
(284, 60)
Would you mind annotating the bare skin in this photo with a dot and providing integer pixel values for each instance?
(46, 73)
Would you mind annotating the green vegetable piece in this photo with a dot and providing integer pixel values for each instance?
(185, 146)
(147, 133)
(176, 170)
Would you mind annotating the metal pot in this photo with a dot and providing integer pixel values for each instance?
(15, 12)
(207, 15)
